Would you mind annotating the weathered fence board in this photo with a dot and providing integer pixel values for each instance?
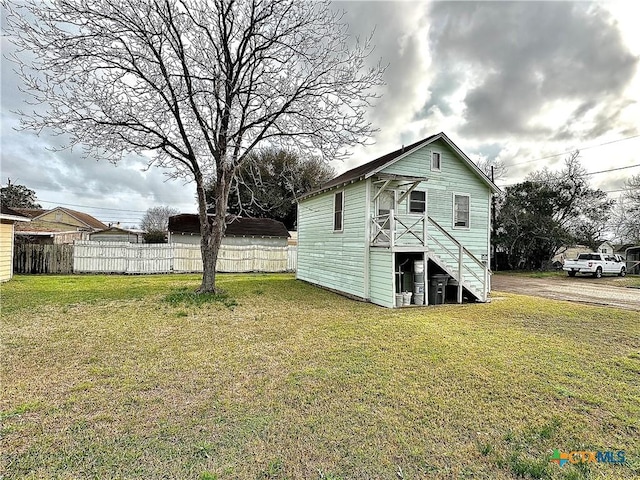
(115, 257)
(33, 258)
(121, 257)
(292, 258)
(187, 259)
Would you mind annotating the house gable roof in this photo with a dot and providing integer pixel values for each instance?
(30, 212)
(236, 226)
(373, 167)
(114, 230)
(85, 218)
(7, 213)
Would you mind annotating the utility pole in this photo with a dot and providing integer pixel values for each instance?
(494, 260)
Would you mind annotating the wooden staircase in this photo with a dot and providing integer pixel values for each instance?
(459, 263)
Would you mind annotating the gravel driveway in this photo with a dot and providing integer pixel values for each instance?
(577, 289)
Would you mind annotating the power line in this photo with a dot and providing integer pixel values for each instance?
(572, 150)
(613, 169)
(88, 206)
(588, 173)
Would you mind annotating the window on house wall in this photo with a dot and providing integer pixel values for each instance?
(338, 207)
(436, 162)
(58, 216)
(417, 202)
(461, 211)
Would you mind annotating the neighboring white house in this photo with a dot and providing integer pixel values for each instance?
(606, 247)
(241, 231)
(366, 232)
(116, 234)
(8, 217)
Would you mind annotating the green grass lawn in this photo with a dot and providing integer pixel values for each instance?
(132, 377)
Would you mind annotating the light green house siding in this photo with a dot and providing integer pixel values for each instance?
(332, 259)
(346, 261)
(455, 177)
(382, 291)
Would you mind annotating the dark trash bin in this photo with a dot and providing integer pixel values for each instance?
(437, 286)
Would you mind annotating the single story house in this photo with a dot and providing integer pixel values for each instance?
(379, 232)
(56, 226)
(116, 234)
(606, 247)
(8, 218)
(241, 231)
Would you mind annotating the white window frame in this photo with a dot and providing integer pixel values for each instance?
(409, 212)
(453, 211)
(334, 211)
(439, 168)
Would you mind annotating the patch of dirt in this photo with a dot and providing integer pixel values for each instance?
(576, 289)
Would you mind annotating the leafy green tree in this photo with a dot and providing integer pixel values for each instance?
(550, 210)
(527, 229)
(155, 236)
(18, 196)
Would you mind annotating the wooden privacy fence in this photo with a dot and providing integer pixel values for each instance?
(132, 258)
(116, 257)
(122, 257)
(33, 258)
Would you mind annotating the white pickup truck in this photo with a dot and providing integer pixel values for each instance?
(596, 264)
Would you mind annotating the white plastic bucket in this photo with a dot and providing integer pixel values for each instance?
(399, 299)
(418, 266)
(406, 298)
(418, 298)
(418, 288)
(418, 277)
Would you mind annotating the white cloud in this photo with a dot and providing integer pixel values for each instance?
(553, 77)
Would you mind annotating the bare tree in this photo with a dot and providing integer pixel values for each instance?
(195, 84)
(500, 170)
(156, 219)
(625, 219)
(270, 182)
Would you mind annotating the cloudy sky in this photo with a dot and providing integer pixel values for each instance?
(522, 82)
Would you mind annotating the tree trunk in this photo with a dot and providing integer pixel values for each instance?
(212, 233)
(209, 248)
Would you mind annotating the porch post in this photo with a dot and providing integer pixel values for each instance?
(367, 239)
(486, 282)
(392, 228)
(424, 229)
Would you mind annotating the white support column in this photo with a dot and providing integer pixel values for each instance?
(486, 282)
(425, 257)
(392, 227)
(424, 229)
(367, 240)
(460, 252)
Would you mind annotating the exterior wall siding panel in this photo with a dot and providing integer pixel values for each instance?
(6, 251)
(455, 177)
(333, 259)
(381, 277)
